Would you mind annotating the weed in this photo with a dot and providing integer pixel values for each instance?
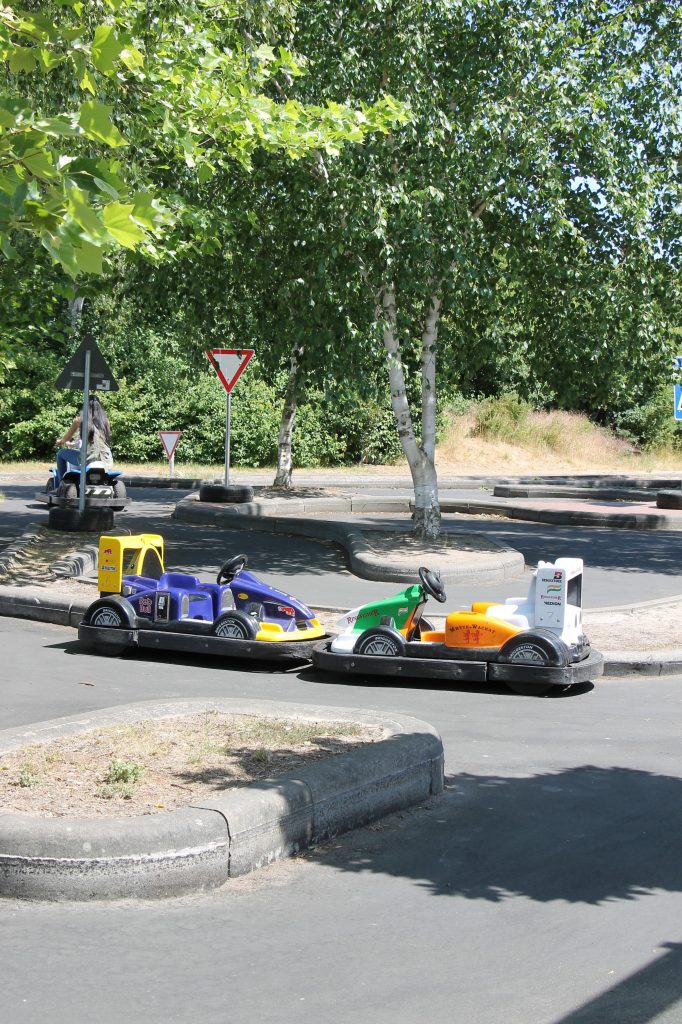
(126, 772)
(27, 777)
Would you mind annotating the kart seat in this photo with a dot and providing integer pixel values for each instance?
(181, 580)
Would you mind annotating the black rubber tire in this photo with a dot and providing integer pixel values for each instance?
(235, 625)
(382, 642)
(112, 613)
(67, 490)
(93, 520)
(120, 494)
(669, 499)
(230, 568)
(235, 494)
(535, 647)
(49, 486)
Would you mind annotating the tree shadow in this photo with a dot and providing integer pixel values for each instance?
(582, 835)
(639, 998)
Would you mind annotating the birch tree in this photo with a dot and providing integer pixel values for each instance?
(516, 105)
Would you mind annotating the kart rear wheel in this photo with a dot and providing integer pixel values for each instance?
(111, 613)
(235, 625)
(381, 642)
(536, 648)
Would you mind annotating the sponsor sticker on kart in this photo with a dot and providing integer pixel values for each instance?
(145, 606)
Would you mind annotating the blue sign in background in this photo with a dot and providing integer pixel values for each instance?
(677, 391)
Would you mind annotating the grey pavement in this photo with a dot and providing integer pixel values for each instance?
(545, 887)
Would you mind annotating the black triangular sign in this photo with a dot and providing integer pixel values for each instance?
(72, 376)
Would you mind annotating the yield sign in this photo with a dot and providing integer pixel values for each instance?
(169, 440)
(229, 364)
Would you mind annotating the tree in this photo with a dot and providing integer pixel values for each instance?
(530, 118)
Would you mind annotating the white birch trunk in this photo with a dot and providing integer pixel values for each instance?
(286, 423)
(426, 517)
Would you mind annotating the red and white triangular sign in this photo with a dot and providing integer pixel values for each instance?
(169, 440)
(229, 363)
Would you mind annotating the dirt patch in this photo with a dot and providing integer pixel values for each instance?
(29, 563)
(404, 549)
(160, 765)
(642, 629)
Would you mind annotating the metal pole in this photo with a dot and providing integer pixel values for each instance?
(171, 464)
(84, 430)
(228, 411)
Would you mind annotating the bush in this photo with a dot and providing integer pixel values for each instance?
(650, 425)
(502, 418)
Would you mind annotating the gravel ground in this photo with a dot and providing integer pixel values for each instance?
(162, 764)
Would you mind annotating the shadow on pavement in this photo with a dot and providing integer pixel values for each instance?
(639, 998)
(582, 835)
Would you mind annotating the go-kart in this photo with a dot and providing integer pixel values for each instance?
(531, 644)
(239, 615)
(104, 487)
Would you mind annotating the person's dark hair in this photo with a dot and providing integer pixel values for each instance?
(97, 418)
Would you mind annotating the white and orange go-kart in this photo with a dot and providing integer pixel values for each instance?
(531, 643)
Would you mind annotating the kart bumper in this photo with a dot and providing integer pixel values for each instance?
(193, 643)
(458, 671)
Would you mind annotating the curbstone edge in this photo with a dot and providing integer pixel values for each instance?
(204, 845)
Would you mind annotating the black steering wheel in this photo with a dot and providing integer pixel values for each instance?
(232, 567)
(432, 584)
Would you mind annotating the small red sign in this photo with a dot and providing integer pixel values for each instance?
(229, 364)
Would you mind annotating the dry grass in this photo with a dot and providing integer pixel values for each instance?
(546, 442)
(162, 764)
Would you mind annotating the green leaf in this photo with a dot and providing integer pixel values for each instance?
(95, 121)
(118, 220)
(40, 165)
(23, 59)
(106, 49)
(89, 258)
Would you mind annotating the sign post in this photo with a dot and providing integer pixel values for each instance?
(169, 440)
(229, 364)
(86, 365)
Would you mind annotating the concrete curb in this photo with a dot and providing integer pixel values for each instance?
(263, 517)
(562, 517)
(304, 478)
(205, 845)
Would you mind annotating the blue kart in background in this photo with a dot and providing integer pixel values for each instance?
(239, 615)
(104, 487)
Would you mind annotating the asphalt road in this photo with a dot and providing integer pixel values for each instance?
(622, 567)
(544, 887)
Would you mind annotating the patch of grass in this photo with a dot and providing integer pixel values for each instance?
(123, 771)
(27, 777)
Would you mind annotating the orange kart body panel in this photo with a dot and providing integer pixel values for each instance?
(473, 629)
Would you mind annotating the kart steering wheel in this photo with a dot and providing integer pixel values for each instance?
(231, 568)
(432, 584)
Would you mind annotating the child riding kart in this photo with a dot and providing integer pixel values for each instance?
(531, 643)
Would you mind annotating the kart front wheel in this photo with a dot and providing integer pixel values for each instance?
(381, 642)
(120, 494)
(235, 625)
(67, 490)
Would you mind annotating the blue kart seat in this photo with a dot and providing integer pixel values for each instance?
(181, 580)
